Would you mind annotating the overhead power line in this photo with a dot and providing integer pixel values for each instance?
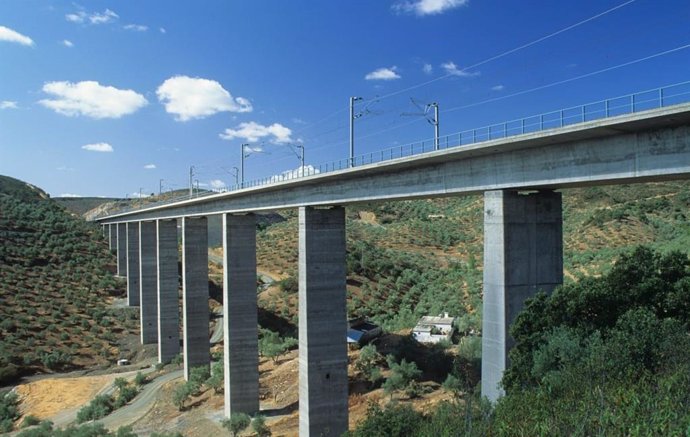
(572, 79)
(518, 93)
(508, 52)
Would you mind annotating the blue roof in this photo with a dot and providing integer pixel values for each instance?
(354, 335)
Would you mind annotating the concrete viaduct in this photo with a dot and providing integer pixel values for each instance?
(523, 246)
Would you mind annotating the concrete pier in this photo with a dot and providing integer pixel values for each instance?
(323, 386)
(168, 296)
(523, 254)
(122, 249)
(148, 283)
(240, 322)
(195, 312)
(112, 237)
(133, 264)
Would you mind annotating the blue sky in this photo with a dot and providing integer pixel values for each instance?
(104, 98)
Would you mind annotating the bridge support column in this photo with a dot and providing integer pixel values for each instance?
(195, 313)
(240, 346)
(112, 237)
(121, 249)
(523, 254)
(168, 295)
(148, 283)
(323, 386)
(133, 290)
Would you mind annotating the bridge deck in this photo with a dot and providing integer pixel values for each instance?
(652, 145)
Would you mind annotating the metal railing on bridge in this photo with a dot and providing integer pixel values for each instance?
(628, 104)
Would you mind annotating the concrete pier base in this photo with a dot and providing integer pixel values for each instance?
(167, 289)
(133, 290)
(241, 351)
(523, 254)
(323, 386)
(196, 344)
(148, 283)
(121, 249)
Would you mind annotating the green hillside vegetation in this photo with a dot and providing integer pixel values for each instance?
(55, 286)
(413, 258)
(603, 356)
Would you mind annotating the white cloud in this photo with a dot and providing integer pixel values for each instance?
(217, 184)
(296, 173)
(91, 99)
(428, 69)
(9, 35)
(253, 132)
(428, 7)
(497, 88)
(253, 149)
(77, 17)
(64, 168)
(67, 43)
(69, 195)
(94, 18)
(103, 18)
(139, 195)
(136, 27)
(150, 166)
(453, 70)
(383, 74)
(192, 97)
(7, 104)
(98, 147)
(162, 30)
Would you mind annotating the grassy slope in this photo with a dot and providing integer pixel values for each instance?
(53, 287)
(411, 258)
(81, 205)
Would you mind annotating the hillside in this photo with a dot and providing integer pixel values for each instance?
(412, 258)
(82, 205)
(405, 259)
(55, 288)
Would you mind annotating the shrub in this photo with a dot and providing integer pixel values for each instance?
(393, 421)
(237, 423)
(29, 421)
(98, 408)
(181, 394)
(259, 426)
(368, 363)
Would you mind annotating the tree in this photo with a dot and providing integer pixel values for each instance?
(120, 383)
(259, 426)
(368, 363)
(181, 394)
(237, 423)
(393, 421)
(197, 377)
(271, 345)
(217, 379)
(99, 407)
(402, 376)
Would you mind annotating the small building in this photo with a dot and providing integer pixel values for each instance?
(362, 331)
(123, 362)
(432, 329)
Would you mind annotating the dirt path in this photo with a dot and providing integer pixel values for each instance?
(141, 405)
